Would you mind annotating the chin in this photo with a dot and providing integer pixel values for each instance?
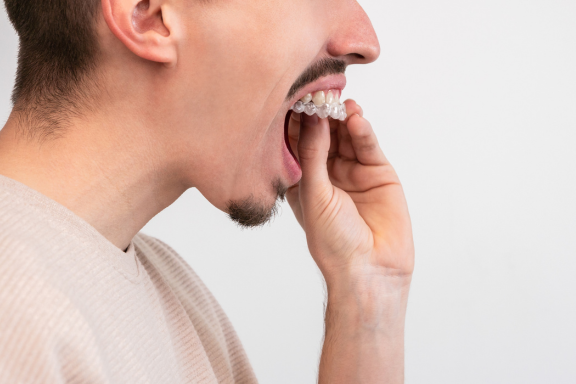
(254, 211)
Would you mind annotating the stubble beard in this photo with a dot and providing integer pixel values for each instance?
(252, 212)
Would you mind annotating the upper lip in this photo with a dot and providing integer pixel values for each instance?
(322, 84)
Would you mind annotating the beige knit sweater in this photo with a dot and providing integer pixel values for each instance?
(76, 309)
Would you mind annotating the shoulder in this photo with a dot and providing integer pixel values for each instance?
(21, 256)
(33, 312)
(33, 276)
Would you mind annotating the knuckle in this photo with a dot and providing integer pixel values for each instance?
(305, 152)
(367, 147)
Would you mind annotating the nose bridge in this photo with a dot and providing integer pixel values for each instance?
(354, 36)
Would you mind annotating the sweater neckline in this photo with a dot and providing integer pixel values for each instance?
(57, 215)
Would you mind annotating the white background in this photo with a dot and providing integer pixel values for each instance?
(474, 102)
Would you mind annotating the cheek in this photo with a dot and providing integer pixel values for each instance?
(262, 155)
(240, 63)
(240, 168)
(248, 157)
(258, 161)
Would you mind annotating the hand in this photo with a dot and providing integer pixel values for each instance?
(349, 201)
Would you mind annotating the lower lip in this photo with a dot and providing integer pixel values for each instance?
(290, 163)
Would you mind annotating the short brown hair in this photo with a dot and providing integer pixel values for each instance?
(58, 51)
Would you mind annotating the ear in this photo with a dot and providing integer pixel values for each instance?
(144, 28)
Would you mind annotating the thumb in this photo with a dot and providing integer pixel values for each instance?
(313, 147)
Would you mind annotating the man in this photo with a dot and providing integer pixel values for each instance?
(119, 107)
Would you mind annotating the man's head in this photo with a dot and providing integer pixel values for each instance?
(203, 86)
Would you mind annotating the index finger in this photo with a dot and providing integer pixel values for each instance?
(364, 141)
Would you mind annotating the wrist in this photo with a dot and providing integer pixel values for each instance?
(369, 297)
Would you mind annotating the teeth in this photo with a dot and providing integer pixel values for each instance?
(298, 107)
(322, 104)
(324, 111)
(335, 111)
(310, 109)
(319, 98)
(343, 114)
(329, 97)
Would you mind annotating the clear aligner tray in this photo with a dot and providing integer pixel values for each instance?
(336, 111)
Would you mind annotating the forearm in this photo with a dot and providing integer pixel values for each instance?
(364, 339)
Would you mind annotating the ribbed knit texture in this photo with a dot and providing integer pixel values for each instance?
(76, 309)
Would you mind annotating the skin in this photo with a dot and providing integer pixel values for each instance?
(193, 95)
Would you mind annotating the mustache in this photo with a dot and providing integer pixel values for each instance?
(323, 67)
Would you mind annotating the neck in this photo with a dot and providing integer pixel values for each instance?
(108, 171)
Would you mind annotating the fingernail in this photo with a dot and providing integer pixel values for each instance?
(309, 120)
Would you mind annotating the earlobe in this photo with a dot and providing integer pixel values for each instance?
(141, 26)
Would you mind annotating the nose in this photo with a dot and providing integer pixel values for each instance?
(354, 39)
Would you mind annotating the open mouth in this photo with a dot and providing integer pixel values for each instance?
(325, 104)
(286, 137)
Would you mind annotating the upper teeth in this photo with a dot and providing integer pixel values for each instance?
(323, 104)
(319, 98)
(329, 97)
(307, 98)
